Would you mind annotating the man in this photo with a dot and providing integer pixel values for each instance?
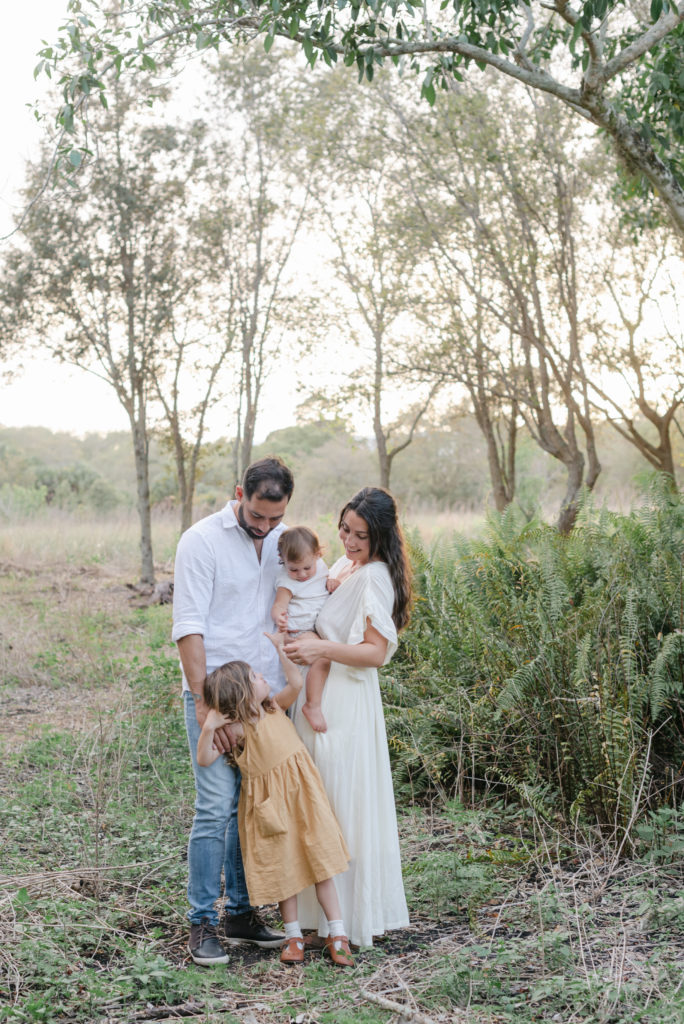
(224, 584)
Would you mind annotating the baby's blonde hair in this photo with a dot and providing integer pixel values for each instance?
(296, 543)
(229, 690)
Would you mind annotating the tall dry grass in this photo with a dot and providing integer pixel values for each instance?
(56, 536)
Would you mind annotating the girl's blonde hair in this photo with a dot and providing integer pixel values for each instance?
(296, 543)
(229, 690)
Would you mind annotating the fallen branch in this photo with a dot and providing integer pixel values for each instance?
(190, 1009)
(405, 1012)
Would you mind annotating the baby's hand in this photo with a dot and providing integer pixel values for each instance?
(215, 720)
(281, 622)
(331, 584)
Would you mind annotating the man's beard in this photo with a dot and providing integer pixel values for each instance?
(254, 534)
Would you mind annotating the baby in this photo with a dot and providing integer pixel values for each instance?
(302, 586)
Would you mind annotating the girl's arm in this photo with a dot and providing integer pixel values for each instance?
(293, 677)
(279, 609)
(370, 653)
(206, 751)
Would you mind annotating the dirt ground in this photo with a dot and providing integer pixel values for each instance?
(45, 658)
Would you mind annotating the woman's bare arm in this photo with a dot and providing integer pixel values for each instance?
(370, 653)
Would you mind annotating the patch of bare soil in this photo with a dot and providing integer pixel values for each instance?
(49, 649)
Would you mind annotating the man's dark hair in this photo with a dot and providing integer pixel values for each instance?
(269, 479)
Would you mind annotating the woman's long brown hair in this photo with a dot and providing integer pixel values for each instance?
(378, 509)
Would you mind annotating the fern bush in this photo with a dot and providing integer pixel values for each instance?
(552, 665)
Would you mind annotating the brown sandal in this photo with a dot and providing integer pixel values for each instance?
(340, 954)
(293, 951)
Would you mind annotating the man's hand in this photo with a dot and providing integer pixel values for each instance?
(227, 736)
(226, 733)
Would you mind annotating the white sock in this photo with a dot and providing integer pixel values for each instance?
(292, 930)
(335, 928)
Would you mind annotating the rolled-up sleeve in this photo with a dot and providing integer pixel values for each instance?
(193, 585)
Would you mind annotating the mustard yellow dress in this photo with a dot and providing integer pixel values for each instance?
(289, 835)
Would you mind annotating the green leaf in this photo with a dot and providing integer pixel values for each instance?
(75, 158)
(66, 117)
(428, 93)
(656, 9)
(268, 42)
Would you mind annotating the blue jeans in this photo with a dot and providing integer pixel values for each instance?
(214, 841)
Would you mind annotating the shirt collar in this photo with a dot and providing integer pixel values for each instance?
(228, 517)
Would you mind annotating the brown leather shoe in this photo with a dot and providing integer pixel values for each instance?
(293, 951)
(338, 950)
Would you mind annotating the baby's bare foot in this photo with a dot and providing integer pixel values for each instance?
(314, 716)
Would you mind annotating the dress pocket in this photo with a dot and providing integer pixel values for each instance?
(268, 819)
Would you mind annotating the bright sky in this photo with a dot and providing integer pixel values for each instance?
(45, 393)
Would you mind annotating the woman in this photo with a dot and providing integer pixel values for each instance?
(358, 633)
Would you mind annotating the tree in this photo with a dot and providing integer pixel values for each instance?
(504, 209)
(617, 66)
(188, 358)
(376, 263)
(463, 355)
(247, 231)
(98, 271)
(638, 382)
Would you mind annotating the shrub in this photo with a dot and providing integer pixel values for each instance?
(548, 664)
(17, 502)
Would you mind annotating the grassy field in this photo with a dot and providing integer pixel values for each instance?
(512, 920)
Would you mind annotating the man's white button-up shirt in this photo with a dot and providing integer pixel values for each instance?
(222, 591)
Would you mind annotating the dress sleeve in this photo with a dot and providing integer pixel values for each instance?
(376, 603)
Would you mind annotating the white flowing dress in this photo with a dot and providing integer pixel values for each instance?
(353, 760)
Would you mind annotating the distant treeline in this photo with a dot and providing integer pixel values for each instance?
(445, 468)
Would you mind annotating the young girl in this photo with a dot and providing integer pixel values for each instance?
(301, 589)
(289, 835)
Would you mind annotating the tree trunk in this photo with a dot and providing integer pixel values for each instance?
(570, 504)
(141, 454)
(186, 512)
(501, 463)
(247, 442)
(385, 465)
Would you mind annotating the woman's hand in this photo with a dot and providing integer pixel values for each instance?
(305, 649)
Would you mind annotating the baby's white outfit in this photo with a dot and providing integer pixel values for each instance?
(308, 597)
